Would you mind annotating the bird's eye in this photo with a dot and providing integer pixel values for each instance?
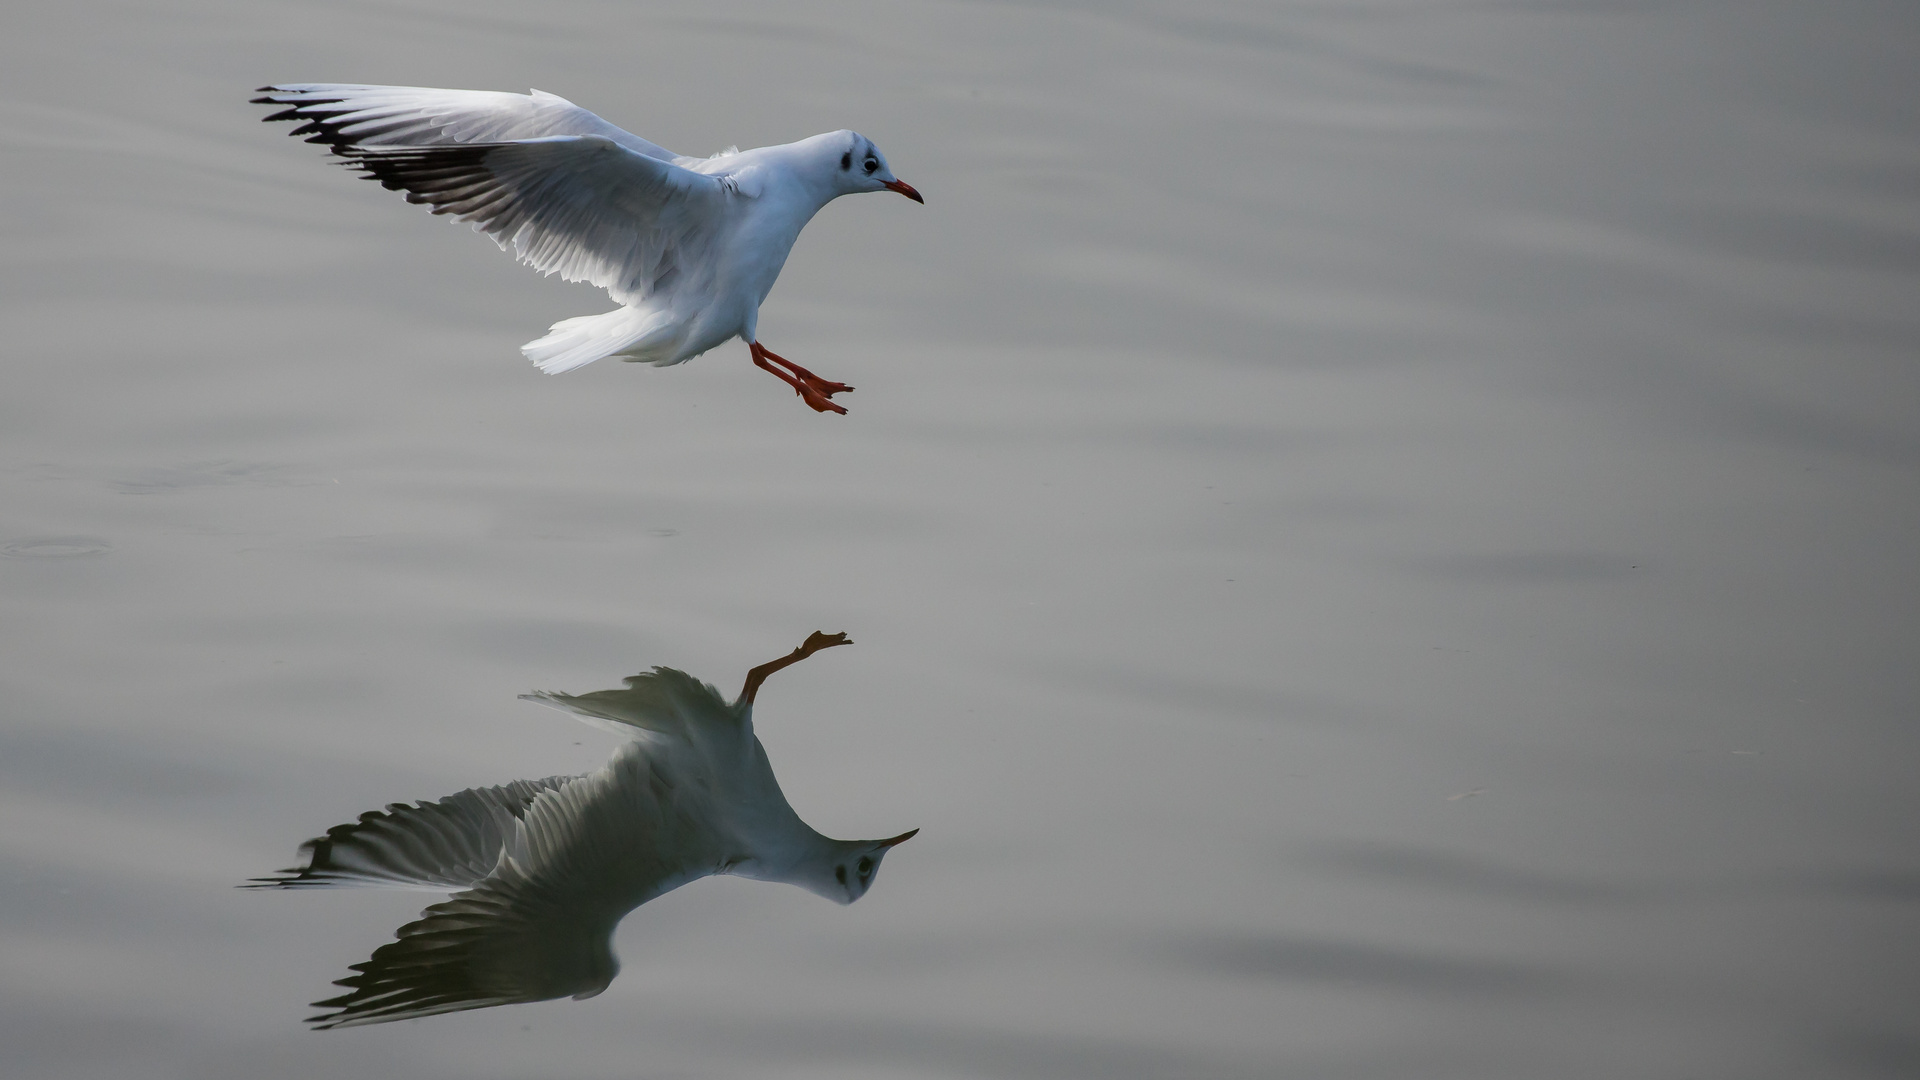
(846, 160)
(840, 874)
(866, 866)
(872, 165)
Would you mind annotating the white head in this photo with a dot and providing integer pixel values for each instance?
(859, 166)
(851, 867)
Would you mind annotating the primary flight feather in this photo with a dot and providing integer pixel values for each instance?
(689, 246)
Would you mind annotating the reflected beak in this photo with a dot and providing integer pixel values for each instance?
(908, 835)
(906, 189)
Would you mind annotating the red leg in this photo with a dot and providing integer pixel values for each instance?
(815, 399)
(826, 387)
(816, 641)
(823, 387)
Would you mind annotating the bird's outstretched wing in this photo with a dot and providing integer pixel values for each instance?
(348, 114)
(587, 201)
(665, 702)
(496, 944)
(449, 844)
(582, 854)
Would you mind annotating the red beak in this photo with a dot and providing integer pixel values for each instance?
(906, 189)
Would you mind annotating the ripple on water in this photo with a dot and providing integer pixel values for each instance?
(54, 547)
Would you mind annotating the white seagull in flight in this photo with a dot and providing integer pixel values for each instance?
(689, 246)
(546, 869)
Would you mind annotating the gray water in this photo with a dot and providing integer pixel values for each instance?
(1380, 538)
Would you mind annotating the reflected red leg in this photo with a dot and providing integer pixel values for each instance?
(816, 641)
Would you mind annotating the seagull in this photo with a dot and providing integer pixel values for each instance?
(546, 869)
(689, 246)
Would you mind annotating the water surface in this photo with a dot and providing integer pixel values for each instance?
(1380, 537)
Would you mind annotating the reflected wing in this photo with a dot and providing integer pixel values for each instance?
(449, 844)
(664, 702)
(345, 114)
(496, 944)
(582, 855)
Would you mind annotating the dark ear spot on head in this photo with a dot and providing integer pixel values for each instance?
(846, 160)
(840, 874)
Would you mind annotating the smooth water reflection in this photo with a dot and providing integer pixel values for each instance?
(1381, 536)
(547, 868)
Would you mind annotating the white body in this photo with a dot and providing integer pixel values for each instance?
(689, 246)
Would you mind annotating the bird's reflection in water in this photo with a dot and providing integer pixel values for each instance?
(545, 869)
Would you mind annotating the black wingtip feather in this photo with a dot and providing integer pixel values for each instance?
(423, 171)
(319, 121)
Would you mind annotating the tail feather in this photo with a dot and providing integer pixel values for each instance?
(628, 331)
